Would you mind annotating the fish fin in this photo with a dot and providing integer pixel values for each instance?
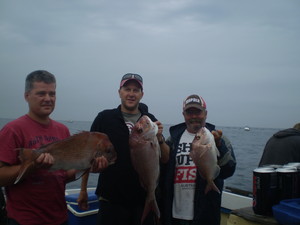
(217, 151)
(211, 186)
(155, 128)
(81, 173)
(26, 154)
(159, 153)
(82, 199)
(152, 144)
(217, 171)
(155, 145)
(150, 205)
(111, 163)
(142, 184)
(195, 152)
(27, 157)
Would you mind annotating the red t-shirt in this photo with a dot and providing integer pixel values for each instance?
(40, 198)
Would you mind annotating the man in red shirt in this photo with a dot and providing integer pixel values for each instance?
(39, 197)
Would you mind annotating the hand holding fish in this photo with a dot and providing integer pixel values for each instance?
(100, 163)
(217, 136)
(44, 161)
(164, 148)
(160, 129)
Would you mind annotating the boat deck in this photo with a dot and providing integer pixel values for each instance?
(237, 209)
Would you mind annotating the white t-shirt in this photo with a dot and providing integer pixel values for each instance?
(184, 180)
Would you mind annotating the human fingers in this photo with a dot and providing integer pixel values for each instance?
(45, 160)
(217, 136)
(160, 128)
(100, 163)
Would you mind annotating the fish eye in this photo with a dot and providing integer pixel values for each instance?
(197, 137)
(140, 131)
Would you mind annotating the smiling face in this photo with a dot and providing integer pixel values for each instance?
(131, 94)
(194, 119)
(41, 101)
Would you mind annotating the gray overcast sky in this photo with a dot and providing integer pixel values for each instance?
(242, 57)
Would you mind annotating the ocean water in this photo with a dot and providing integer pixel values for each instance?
(247, 145)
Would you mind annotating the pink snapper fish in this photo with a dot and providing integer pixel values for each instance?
(204, 154)
(145, 154)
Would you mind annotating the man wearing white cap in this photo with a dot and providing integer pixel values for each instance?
(184, 198)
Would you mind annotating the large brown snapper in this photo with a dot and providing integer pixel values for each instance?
(76, 152)
(204, 154)
(145, 153)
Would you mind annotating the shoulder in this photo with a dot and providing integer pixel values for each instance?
(106, 118)
(178, 126)
(287, 133)
(18, 123)
(16, 129)
(151, 116)
(210, 126)
(108, 113)
(59, 124)
(61, 129)
(177, 129)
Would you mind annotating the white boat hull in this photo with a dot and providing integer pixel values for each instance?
(232, 207)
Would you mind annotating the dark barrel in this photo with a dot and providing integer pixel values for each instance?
(288, 178)
(264, 190)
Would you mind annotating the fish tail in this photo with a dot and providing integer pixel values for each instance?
(27, 157)
(211, 186)
(151, 205)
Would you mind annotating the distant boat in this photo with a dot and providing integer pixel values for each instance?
(247, 128)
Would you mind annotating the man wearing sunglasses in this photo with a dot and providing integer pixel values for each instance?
(121, 196)
(184, 197)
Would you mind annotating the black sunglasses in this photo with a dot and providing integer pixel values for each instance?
(132, 76)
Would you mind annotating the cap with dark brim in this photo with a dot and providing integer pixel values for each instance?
(131, 76)
(124, 81)
(194, 101)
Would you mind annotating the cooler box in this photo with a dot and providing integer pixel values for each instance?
(79, 217)
(287, 212)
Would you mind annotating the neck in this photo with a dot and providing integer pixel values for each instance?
(42, 120)
(129, 111)
(191, 131)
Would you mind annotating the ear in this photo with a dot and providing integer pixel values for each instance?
(26, 94)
